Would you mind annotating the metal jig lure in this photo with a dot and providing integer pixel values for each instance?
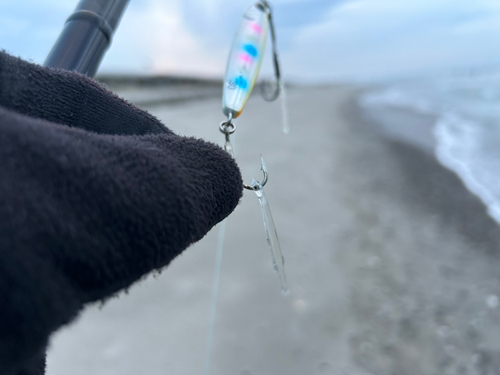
(242, 70)
(245, 60)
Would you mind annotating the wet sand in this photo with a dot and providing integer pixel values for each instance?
(391, 262)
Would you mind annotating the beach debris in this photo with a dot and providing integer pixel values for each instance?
(492, 301)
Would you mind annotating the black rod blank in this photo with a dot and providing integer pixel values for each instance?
(86, 36)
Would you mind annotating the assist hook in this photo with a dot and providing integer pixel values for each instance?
(256, 185)
(227, 128)
(266, 87)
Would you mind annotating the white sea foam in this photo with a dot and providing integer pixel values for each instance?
(467, 130)
(462, 146)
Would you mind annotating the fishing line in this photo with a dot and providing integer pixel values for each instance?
(215, 287)
(284, 107)
(215, 294)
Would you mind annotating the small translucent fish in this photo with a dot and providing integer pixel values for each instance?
(272, 235)
(245, 59)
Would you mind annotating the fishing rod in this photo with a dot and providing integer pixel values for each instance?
(86, 36)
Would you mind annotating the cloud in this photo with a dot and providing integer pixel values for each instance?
(365, 39)
(215, 21)
(154, 39)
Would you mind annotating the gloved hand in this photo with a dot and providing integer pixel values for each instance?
(94, 194)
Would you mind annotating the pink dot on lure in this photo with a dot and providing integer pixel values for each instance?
(256, 27)
(246, 58)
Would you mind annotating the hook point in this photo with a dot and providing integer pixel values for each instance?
(256, 185)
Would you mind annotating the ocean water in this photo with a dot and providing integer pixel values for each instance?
(466, 129)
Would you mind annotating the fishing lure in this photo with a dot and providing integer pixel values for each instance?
(246, 57)
(242, 70)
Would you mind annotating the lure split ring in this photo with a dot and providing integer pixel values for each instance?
(227, 127)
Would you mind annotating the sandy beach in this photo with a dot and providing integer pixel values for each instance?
(392, 263)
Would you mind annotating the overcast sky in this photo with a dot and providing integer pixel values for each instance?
(319, 40)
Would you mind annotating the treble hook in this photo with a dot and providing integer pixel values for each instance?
(277, 71)
(256, 185)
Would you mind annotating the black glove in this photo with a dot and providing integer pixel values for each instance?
(94, 194)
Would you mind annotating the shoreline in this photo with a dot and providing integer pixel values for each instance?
(412, 127)
(430, 288)
(433, 185)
